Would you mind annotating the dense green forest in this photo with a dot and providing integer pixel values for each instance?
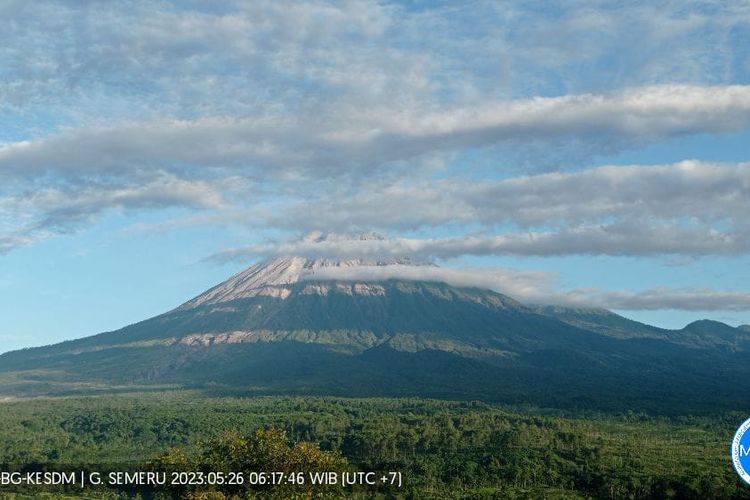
(442, 448)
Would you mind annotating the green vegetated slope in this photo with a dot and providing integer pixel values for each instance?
(297, 356)
(443, 448)
(397, 338)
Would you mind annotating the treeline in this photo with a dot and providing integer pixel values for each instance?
(261, 464)
(443, 449)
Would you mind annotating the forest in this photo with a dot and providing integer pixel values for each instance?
(443, 449)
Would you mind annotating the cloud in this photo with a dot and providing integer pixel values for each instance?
(618, 240)
(235, 55)
(270, 147)
(316, 115)
(175, 57)
(636, 112)
(514, 282)
(685, 209)
(308, 101)
(10, 242)
(687, 299)
(527, 286)
(540, 287)
(162, 191)
(689, 208)
(32, 216)
(701, 191)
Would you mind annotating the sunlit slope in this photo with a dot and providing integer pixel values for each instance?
(396, 337)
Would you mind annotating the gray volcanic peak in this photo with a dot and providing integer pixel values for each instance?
(272, 277)
(362, 325)
(319, 237)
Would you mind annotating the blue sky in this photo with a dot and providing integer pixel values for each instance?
(584, 153)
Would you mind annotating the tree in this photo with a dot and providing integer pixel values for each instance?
(269, 465)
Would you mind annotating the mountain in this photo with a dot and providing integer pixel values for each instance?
(605, 322)
(285, 326)
(702, 333)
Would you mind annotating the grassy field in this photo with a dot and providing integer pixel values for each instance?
(443, 448)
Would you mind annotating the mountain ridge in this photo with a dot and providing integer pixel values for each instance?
(391, 336)
(272, 276)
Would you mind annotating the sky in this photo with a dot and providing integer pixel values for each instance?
(583, 153)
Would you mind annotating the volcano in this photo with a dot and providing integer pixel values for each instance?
(295, 325)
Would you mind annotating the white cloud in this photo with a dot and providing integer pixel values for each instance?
(539, 287)
(316, 98)
(689, 208)
(514, 282)
(686, 299)
(35, 215)
(270, 147)
(690, 190)
(618, 240)
(306, 115)
(527, 286)
(12, 241)
(637, 112)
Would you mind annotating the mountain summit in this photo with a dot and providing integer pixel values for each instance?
(320, 325)
(274, 276)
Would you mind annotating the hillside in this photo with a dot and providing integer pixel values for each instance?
(277, 328)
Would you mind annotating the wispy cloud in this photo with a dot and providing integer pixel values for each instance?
(181, 58)
(598, 240)
(682, 299)
(34, 215)
(515, 282)
(539, 287)
(315, 115)
(689, 208)
(702, 191)
(306, 98)
(272, 147)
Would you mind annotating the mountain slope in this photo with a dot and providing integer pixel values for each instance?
(699, 334)
(277, 328)
(602, 321)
